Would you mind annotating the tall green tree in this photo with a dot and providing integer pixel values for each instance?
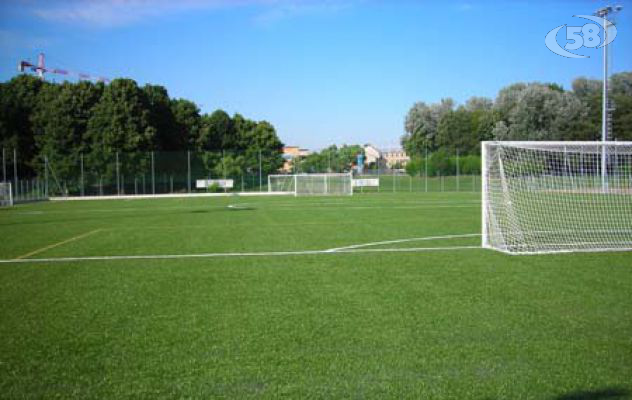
(120, 122)
(18, 100)
(60, 123)
(161, 118)
(421, 125)
(187, 121)
(218, 132)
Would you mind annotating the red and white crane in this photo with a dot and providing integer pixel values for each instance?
(40, 69)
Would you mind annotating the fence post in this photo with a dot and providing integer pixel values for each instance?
(260, 173)
(45, 176)
(118, 182)
(189, 170)
(153, 175)
(457, 171)
(393, 169)
(82, 178)
(15, 171)
(426, 169)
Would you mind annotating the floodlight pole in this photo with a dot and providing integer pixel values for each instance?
(603, 13)
(604, 102)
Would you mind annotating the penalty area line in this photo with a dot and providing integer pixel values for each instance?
(227, 255)
(52, 246)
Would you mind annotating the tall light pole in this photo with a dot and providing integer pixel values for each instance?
(604, 12)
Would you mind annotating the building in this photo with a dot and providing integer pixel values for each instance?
(289, 154)
(395, 158)
(391, 158)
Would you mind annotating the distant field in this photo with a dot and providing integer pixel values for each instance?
(380, 295)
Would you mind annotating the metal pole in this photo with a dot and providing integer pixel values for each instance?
(82, 181)
(45, 176)
(118, 182)
(4, 165)
(604, 107)
(457, 170)
(15, 171)
(260, 173)
(153, 175)
(426, 173)
(393, 176)
(189, 170)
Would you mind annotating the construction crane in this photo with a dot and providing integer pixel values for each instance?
(40, 69)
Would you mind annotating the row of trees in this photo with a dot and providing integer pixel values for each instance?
(61, 121)
(331, 159)
(522, 111)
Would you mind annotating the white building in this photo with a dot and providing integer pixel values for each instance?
(390, 158)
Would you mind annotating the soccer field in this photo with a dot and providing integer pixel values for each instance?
(381, 295)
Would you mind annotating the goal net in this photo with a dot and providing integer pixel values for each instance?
(543, 197)
(311, 184)
(6, 196)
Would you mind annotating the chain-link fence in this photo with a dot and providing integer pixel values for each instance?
(119, 173)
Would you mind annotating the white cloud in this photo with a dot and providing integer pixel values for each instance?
(115, 13)
(289, 9)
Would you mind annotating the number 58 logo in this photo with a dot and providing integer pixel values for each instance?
(581, 36)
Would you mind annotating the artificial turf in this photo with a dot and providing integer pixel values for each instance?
(461, 323)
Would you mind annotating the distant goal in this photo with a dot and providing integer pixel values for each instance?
(330, 184)
(6, 196)
(544, 197)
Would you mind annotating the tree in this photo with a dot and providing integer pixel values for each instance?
(120, 122)
(217, 133)
(421, 125)
(331, 159)
(539, 112)
(161, 118)
(60, 121)
(18, 99)
(479, 104)
(621, 85)
(456, 132)
(187, 121)
(262, 140)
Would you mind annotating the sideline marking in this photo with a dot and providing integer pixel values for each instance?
(419, 239)
(218, 255)
(51, 246)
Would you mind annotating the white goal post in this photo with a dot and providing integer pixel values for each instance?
(6, 196)
(546, 197)
(332, 184)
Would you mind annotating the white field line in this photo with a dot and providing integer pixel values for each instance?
(167, 196)
(263, 206)
(52, 246)
(419, 239)
(226, 255)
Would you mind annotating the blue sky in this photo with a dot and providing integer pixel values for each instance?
(322, 72)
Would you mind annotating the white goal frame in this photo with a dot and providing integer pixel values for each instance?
(6, 194)
(551, 197)
(323, 184)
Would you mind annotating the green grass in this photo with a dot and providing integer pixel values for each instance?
(438, 324)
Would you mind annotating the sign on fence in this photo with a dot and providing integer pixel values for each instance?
(368, 182)
(221, 183)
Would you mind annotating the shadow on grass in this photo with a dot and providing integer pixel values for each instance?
(599, 394)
